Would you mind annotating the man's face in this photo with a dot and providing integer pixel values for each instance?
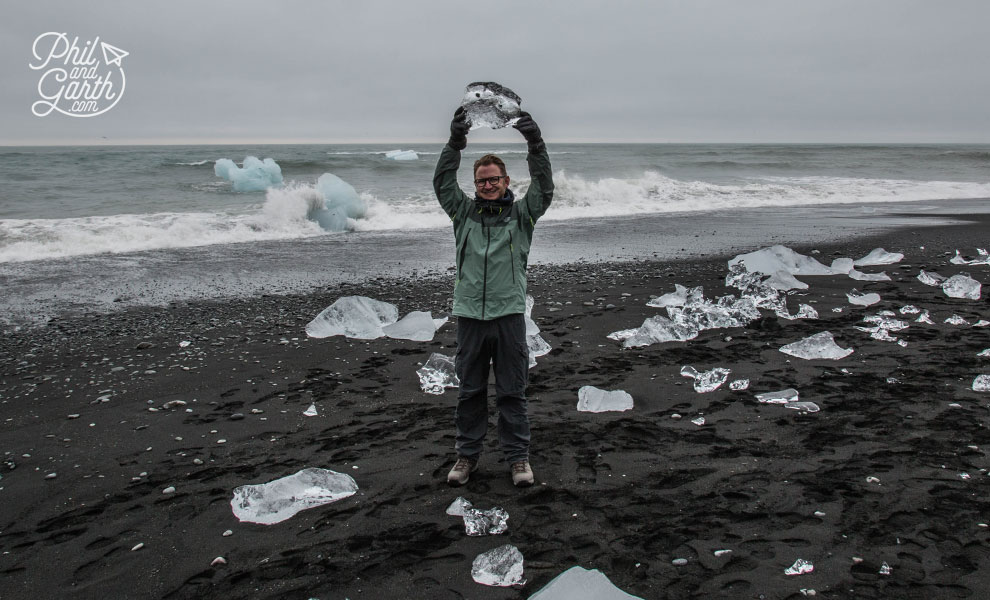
(487, 191)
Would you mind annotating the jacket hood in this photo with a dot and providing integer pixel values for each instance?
(503, 202)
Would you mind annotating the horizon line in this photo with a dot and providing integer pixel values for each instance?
(310, 142)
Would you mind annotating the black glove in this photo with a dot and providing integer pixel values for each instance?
(459, 128)
(531, 131)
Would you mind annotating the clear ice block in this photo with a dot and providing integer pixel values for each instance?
(489, 104)
(278, 500)
(437, 374)
(820, 345)
(500, 567)
(879, 256)
(417, 326)
(800, 567)
(592, 399)
(930, 278)
(739, 385)
(810, 407)
(981, 383)
(493, 521)
(860, 276)
(578, 583)
(458, 506)
(778, 397)
(356, 317)
(855, 297)
(961, 286)
(706, 381)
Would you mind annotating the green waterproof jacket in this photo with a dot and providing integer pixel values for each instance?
(492, 242)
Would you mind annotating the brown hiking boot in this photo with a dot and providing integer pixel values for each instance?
(522, 474)
(461, 471)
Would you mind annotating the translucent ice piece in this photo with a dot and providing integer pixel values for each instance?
(401, 155)
(654, 330)
(885, 569)
(909, 309)
(417, 326)
(357, 317)
(959, 260)
(255, 176)
(592, 399)
(981, 323)
(805, 311)
(311, 411)
(780, 258)
(860, 276)
(536, 344)
(577, 583)
(676, 298)
(438, 373)
(489, 104)
(981, 383)
(278, 500)
(984, 353)
(956, 320)
(879, 256)
(924, 318)
(698, 421)
(810, 407)
(783, 281)
(855, 297)
(842, 265)
(820, 345)
(493, 521)
(929, 278)
(800, 567)
(707, 381)
(882, 326)
(779, 397)
(739, 385)
(961, 286)
(458, 507)
(501, 567)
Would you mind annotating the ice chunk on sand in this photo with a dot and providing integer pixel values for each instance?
(676, 298)
(805, 311)
(779, 397)
(654, 330)
(278, 500)
(401, 155)
(984, 353)
(458, 506)
(820, 345)
(924, 318)
(780, 258)
(501, 567)
(706, 381)
(255, 176)
(311, 411)
(810, 407)
(578, 583)
(494, 521)
(417, 326)
(437, 374)
(536, 344)
(592, 399)
(860, 276)
(981, 383)
(855, 297)
(882, 326)
(341, 204)
(739, 385)
(800, 567)
(909, 309)
(489, 104)
(961, 286)
(959, 260)
(879, 256)
(956, 320)
(930, 278)
(357, 317)
(843, 265)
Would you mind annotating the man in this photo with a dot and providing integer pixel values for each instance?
(492, 234)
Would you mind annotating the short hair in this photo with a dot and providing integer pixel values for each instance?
(489, 159)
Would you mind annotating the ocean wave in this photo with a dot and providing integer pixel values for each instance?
(197, 163)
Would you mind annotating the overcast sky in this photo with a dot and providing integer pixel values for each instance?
(651, 71)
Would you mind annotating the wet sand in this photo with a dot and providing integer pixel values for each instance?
(891, 470)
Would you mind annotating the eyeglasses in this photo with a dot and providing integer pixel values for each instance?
(489, 180)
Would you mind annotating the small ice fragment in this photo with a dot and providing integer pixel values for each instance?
(902, 343)
(698, 421)
(962, 286)
(739, 384)
(311, 411)
(956, 320)
(810, 407)
(536, 344)
(808, 592)
(489, 104)
(578, 583)
(218, 561)
(860, 276)
(984, 353)
(73, 416)
(855, 297)
(679, 562)
(706, 381)
(655, 330)
(909, 309)
(356, 317)
(51, 476)
(173, 404)
(137, 547)
(819, 514)
(884, 569)
(981, 323)
(418, 326)
(184, 344)
(458, 506)
(169, 490)
(721, 552)
(592, 399)
(500, 567)
(228, 533)
(278, 500)
(879, 256)
(779, 397)
(930, 278)
(924, 318)
(800, 567)
(401, 155)
(493, 521)
(820, 345)
(981, 383)
(964, 476)
(676, 298)
(872, 479)
(837, 309)
(437, 374)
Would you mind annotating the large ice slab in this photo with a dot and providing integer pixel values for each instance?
(578, 583)
(654, 330)
(357, 317)
(859, 299)
(983, 260)
(255, 176)
(417, 326)
(489, 104)
(961, 286)
(820, 345)
(500, 567)
(278, 500)
(438, 374)
(706, 381)
(592, 399)
(781, 258)
(879, 256)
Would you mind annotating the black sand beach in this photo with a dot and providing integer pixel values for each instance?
(891, 471)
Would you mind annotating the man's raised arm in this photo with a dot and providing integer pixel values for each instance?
(445, 178)
(540, 193)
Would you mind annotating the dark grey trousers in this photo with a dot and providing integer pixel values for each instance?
(480, 345)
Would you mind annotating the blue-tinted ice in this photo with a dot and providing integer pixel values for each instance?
(489, 104)
(278, 500)
(255, 176)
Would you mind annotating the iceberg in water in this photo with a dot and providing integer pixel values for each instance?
(592, 399)
(501, 567)
(489, 104)
(341, 204)
(578, 583)
(962, 286)
(437, 374)
(255, 176)
(879, 256)
(820, 345)
(357, 317)
(417, 326)
(401, 155)
(276, 501)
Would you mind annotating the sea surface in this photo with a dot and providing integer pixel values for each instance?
(110, 226)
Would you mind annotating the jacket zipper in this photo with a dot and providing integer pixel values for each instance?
(484, 284)
(512, 259)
